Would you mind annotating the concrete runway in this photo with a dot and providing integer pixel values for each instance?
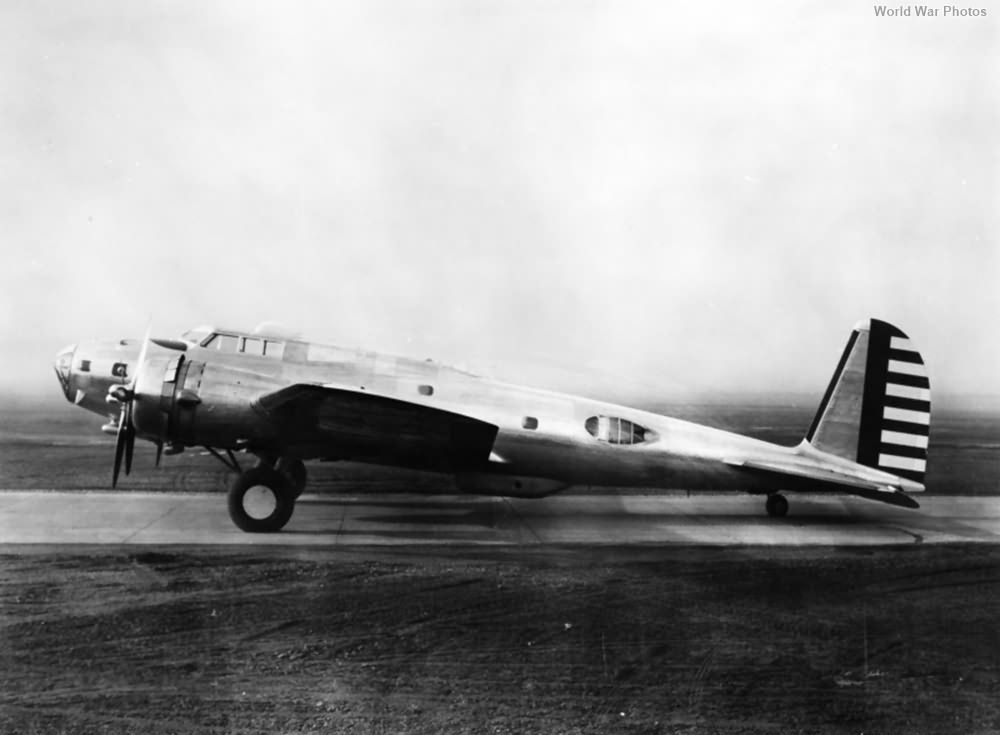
(40, 517)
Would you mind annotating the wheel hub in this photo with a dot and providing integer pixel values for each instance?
(259, 502)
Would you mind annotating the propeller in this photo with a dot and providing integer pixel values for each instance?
(125, 394)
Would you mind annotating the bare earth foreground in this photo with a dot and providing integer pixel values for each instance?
(547, 639)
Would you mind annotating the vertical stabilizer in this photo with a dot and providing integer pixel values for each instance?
(876, 410)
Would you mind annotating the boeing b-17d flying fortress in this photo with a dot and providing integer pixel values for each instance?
(285, 400)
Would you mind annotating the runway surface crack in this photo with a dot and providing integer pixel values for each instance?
(128, 539)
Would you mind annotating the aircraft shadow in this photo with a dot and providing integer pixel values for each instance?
(451, 511)
(471, 518)
(686, 521)
(401, 504)
(468, 536)
(476, 527)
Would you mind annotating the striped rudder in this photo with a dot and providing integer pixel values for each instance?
(877, 408)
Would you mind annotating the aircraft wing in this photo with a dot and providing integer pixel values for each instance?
(802, 477)
(354, 424)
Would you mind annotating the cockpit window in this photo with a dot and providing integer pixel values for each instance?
(617, 431)
(252, 346)
(222, 342)
(230, 343)
(263, 347)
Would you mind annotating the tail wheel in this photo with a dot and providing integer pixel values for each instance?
(261, 500)
(294, 470)
(777, 506)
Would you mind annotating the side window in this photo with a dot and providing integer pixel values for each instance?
(274, 349)
(614, 430)
(253, 346)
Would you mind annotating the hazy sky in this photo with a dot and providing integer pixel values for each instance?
(674, 198)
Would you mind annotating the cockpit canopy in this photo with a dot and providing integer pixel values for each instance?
(232, 341)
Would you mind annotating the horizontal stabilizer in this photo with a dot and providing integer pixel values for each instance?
(892, 497)
(807, 478)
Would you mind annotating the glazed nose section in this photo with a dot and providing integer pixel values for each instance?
(64, 370)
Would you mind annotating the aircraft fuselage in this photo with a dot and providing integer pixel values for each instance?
(203, 396)
(286, 400)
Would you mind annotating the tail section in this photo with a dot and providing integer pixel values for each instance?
(877, 409)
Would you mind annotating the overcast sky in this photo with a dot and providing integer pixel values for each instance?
(669, 198)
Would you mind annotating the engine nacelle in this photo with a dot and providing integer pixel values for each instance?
(183, 401)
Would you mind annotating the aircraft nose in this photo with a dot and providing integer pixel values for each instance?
(64, 370)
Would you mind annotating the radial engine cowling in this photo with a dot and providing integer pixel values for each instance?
(177, 402)
(166, 398)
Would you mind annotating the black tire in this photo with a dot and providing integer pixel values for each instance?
(294, 470)
(281, 493)
(777, 505)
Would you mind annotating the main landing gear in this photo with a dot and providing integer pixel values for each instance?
(777, 505)
(262, 498)
(294, 470)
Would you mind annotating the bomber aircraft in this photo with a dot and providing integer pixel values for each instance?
(285, 400)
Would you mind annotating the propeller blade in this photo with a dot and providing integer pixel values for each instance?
(119, 450)
(142, 355)
(129, 436)
(126, 433)
(127, 395)
(129, 448)
(125, 440)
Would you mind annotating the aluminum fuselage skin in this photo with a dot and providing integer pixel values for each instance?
(557, 452)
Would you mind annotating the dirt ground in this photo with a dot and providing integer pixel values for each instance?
(474, 640)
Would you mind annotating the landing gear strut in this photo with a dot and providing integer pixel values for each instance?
(295, 471)
(261, 500)
(777, 505)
